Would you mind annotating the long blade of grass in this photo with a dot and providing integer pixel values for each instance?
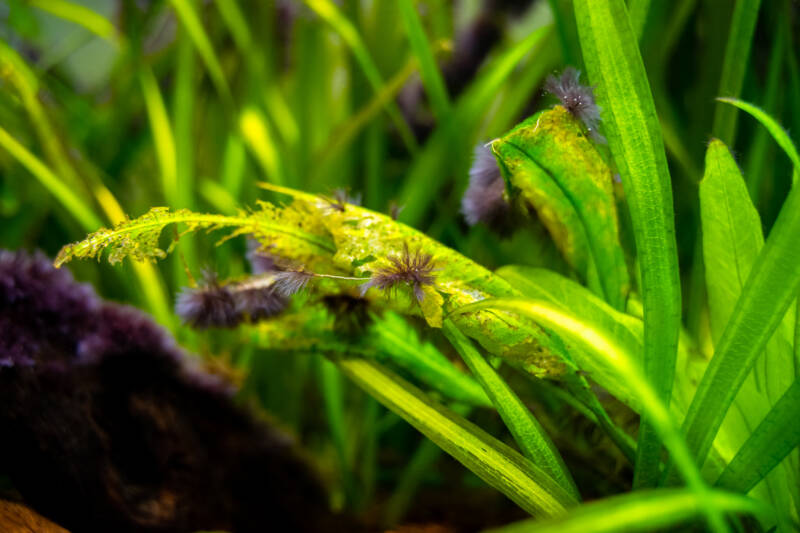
(429, 71)
(594, 341)
(737, 51)
(328, 11)
(530, 436)
(614, 63)
(774, 438)
(191, 22)
(651, 510)
(163, 140)
(74, 204)
(494, 462)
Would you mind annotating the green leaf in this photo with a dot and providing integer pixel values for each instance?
(491, 460)
(528, 433)
(651, 510)
(615, 66)
(732, 239)
(558, 171)
(737, 52)
(771, 286)
(776, 436)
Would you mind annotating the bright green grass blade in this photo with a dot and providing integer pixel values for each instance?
(428, 69)
(328, 11)
(775, 129)
(595, 341)
(494, 462)
(163, 140)
(737, 52)
(259, 138)
(396, 341)
(434, 164)
(774, 438)
(530, 436)
(188, 16)
(66, 196)
(771, 286)
(615, 65)
(641, 511)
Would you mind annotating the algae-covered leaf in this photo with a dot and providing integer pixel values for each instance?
(559, 173)
(365, 241)
(283, 227)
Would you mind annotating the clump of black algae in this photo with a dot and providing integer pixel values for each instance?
(107, 426)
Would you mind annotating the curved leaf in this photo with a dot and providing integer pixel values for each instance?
(494, 462)
(528, 433)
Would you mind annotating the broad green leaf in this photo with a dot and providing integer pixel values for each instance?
(651, 510)
(615, 66)
(770, 288)
(732, 239)
(737, 52)
(559, 173)
(494, 462)
(528, 433)
(776, 436)
(592, 340)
